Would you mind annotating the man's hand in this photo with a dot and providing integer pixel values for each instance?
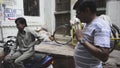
(78, 34)
(8, 57)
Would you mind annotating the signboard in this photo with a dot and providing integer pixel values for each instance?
(9, 2)
(12, 14)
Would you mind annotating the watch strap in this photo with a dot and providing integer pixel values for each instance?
(82, 41)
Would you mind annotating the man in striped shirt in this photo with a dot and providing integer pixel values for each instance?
(94, 39)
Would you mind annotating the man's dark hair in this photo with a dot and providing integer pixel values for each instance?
(81, 5)
(21, 20)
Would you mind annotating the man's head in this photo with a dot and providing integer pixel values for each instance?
(20, 23)
(85, 9)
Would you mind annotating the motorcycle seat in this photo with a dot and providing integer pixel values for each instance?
(37, 57)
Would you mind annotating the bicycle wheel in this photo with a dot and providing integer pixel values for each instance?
(113, 42)
(62, 34)
(117, 29)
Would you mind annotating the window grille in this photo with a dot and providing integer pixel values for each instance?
(101, 3)
(62, 5)
(101, 7)
(62, 19)
(31, 7)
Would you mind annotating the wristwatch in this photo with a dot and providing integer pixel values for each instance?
(82, 41)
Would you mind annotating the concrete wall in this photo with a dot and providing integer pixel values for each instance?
(113, 10)
(8, 25)
(49, 18)
(62, 61)
(73, 12)
(32, 20)
(46, 18)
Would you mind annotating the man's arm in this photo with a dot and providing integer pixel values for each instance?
(100, 52)
(38, 38)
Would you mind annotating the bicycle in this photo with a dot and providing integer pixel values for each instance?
(64, 34)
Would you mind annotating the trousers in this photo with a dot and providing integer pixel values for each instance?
(18, 57)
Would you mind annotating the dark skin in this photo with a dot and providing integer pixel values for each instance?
(99, 52)
(20, 27)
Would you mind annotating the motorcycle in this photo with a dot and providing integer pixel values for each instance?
(38, 60)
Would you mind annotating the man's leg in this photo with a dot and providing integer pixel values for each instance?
(1, 57)
(18, 62)
(10, 59)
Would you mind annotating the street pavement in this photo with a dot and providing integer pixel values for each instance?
(114, 60)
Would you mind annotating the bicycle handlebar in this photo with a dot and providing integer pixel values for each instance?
(11, 37)
(115, 38)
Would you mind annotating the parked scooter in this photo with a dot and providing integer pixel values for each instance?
(38, 60)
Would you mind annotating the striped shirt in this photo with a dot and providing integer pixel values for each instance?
(97, 33)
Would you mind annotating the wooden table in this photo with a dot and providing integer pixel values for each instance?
(62, 54)
(54, 48)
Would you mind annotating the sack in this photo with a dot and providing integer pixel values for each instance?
(43, 33)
